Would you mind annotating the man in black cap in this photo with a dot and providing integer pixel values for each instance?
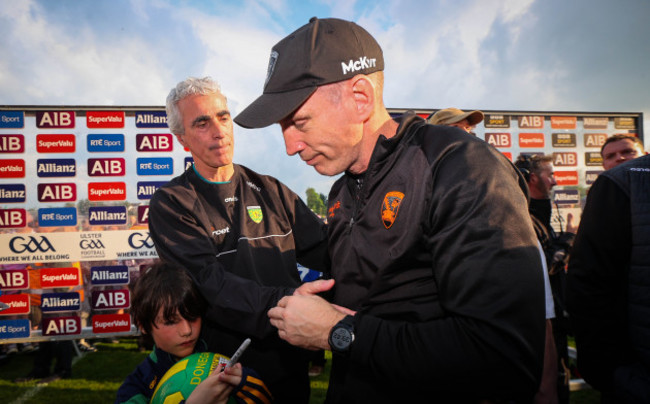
(432, 250)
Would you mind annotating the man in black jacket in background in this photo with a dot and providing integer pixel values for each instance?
(608, 285)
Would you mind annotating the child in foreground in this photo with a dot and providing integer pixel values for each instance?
(166, 306)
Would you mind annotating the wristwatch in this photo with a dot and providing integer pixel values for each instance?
(342, 335)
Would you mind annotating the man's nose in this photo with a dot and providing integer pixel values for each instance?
(218, 129)
(291, 142)
(217, 132)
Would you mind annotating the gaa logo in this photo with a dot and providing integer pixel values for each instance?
(138, 241)
(91, 244)
(19, 245)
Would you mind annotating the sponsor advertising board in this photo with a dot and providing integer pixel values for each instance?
(75, 184)
(74, 190)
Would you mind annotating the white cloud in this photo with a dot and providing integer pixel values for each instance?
(436, 56)
(48, 63)
(234, 55)
(344, 9)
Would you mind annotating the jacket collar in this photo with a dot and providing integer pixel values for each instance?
(386, 146)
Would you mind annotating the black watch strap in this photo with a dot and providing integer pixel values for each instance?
(342, 335)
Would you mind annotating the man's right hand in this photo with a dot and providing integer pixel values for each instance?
(315, 287)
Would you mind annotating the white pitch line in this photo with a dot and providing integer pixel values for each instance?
(32, 392)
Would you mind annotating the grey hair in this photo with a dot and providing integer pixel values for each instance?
(187, 87)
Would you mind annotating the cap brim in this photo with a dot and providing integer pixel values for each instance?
(474, 117)
(270, 108)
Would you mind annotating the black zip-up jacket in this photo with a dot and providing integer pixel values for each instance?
(434, 246)
(240, 241)
(608, 284)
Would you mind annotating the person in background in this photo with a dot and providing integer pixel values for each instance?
(538, 172)
(438, 286)
(240, 234)
(608, 284)
(466, 121)
(620, 148)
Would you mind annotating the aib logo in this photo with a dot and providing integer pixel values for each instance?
(154, 142)
(138, 241)
(55, 119)
(91, 244)
(63, 192)
(12, 143)
(31, 244)
(106, 167)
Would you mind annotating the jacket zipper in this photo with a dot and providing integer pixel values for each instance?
(358, 186)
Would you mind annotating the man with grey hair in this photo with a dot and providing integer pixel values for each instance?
(239, 233)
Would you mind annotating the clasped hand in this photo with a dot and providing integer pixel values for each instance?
(305, 319)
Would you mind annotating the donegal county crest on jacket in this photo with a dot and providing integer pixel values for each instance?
(255, 213)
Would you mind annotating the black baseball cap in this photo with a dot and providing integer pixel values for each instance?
(320, 52)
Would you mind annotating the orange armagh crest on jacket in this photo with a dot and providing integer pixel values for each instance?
(390, 206)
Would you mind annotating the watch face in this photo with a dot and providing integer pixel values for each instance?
(341, 338)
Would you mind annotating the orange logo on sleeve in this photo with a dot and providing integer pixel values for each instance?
(390, 206)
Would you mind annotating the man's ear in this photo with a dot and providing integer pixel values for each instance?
(181, 139)
(363, 90)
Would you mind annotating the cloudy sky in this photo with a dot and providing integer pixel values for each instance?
(541, 55)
